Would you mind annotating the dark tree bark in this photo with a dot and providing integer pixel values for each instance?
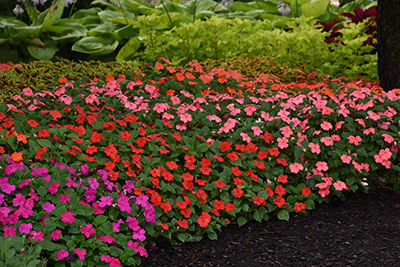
(388, 24)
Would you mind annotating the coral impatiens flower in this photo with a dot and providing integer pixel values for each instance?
(204, 219)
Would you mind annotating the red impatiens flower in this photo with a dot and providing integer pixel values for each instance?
(235, 170)
(233, 156)
(91, 149)
(273, 151)
(165, 226)
(141, 142)
(237, 192)
(279, 201)
(305, 191)
(183, 223)
(282, 178)
(181, 204)
(166, 206)
(225, 146)
(259, 200)
(299, 206)
(33, 123)
(218, 157)
(172, 165)
(204, 219)
(267, 137)
(229, 207)
(43, 133)
(282, 161)
(262, 155)
(177, 136)
(205, 170)
(280, 190)
(259, 164)
(96, 137)
(219, 205)
(125, 135)
(186, 212)
(220, 184)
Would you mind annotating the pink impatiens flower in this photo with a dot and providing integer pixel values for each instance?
(106, 201)
(81, 253)
(67, 217)
(9, 231)
(53, 188)
(345, 158)
(322, 166)
(88, 230)
(296, 167)
(55, 234)
(62, 254)
(283, 142)
(354, 140)
(25, 228)
(256, 130)
(185, 117)
(286, 131)
(388, 139)
(314, 148)
(339, 185)
(48, 206)
(326, 126)
(326, 140)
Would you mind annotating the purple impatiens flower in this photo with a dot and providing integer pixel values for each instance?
(48, 206)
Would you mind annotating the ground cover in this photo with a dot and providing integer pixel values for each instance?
(98, 171)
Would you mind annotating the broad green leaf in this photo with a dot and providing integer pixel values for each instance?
(283, 215)
(280, 21)
(67, 29)
(95, 45)
(240, 7)
(45, 143)
(105, 3)
(139, 9)
(212, 235)
(241, 221)
(55, 12)
(268, 7)
(43, 53)
(315, 9)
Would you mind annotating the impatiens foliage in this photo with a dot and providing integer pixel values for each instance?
(97, 171)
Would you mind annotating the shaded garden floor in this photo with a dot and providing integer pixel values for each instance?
(364, 230)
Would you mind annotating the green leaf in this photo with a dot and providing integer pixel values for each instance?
(45, 143)
(130, 49)
(212, 235)
(202, 148)
(33, 263)
(100, 219)
(283, 215)
(55, 12)
(43, 53)
(315, 9)
(259, 214)
(95, 45)
(42, 191)
(241, 221)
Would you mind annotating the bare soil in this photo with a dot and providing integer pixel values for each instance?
(363, 230)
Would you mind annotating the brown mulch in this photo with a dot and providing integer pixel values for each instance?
(361, 231)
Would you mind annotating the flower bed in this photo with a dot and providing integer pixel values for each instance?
(96, 172)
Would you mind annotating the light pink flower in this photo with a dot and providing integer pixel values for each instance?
(296, 167)
(373, 116)
(282, 142)
(345, 158)
(256, 130)
(185, 117)
(314, 148)
(245, 137)
(326, 126)
(286, 131)
(388, 138)
(326, 140)
(369, 131)
(322, 166)
(354, 140)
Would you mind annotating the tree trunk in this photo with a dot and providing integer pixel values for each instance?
(388, 24)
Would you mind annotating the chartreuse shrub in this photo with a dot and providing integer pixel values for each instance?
(95, 172)
(303, 46)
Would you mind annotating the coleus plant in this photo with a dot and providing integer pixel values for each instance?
(85, 164)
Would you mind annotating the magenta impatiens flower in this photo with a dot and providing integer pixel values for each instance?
(67, 217)
(62, 254)
(48, 206)
(88, 230)
(108, 239)
(25, 228)
(9, 231)
(55, 234)
(106, 201)
(8, 188)
(81, 253)
(64, 198)
(53, 188)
